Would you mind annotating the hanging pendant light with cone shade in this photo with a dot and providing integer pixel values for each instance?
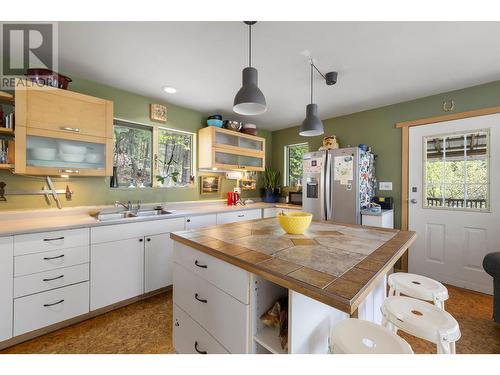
(249, 100)
(312, 125)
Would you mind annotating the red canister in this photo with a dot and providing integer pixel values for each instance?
(230, 198)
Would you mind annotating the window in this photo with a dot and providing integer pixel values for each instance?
(456, 171)
(137, 146)
(174, 159)
(293, 163)
(133, 154)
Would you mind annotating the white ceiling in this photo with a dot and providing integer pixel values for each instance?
(379, 63)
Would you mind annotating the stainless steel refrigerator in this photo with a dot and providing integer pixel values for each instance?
(338, 183)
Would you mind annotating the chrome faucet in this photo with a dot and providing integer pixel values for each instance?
(127, 206)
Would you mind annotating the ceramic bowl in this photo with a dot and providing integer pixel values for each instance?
(43, 153)
(72, 158)
(93, 158)
(214, 122)
(70, 148)
(295, 222)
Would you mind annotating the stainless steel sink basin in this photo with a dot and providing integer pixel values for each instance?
(108, 216)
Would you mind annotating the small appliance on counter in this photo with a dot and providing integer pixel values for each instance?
(385, 203)
(295, 197)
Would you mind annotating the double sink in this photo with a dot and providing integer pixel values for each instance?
(108, 216)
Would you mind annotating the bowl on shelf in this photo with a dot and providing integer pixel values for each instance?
(72, 158)
(249, 129)
(232, 125)
(294, 222)
(70, 148)
(215, 117)
(215, 122)
(93, 158)
(43, 153)
(48, 77)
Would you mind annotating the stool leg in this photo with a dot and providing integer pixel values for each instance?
(453, 349)
(391, 291)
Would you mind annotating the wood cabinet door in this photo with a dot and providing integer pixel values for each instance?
(116, 271)
(65, 111)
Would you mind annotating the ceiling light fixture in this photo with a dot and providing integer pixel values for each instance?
(169, 90)
(249, 100)
(312, 125)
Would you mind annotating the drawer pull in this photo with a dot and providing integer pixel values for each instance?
(54, 278)
(188, 220)
(200, 265)
(199, 299)
(198, 350)
(68, 129)
(76, 171)
(241, 215)
(53, 239)
(57, 257)
(53, 304)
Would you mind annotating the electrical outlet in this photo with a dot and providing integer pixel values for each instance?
(385, 185)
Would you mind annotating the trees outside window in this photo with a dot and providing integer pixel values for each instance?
(294, 159)
(174, 158)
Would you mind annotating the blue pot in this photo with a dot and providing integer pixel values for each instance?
(215, 122)
(271, 196)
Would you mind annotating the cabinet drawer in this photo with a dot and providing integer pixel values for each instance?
(193, 222)
(50, 260)
(118, 232)
(232, 217)
(221, 315)
(225, 276)
(270, 212)
(40, 282)
(43, 309)
(190, 338)
(45, 241)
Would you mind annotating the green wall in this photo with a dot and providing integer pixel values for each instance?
(96, 190)
(376, 128)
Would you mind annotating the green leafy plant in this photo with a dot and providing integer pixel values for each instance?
(271, 178)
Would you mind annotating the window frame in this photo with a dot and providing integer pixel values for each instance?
(286, 177)
(155, 147)
(488, 173)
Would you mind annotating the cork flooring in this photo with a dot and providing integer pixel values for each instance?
(145, 327)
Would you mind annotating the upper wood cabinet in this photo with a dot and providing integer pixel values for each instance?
(60, 132)
(227, 149)
(49, 108)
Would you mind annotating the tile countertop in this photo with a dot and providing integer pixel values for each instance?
(26, 221)
(337, 264)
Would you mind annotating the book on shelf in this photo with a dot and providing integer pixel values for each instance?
(9, 121)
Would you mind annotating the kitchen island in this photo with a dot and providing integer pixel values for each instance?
(227, 276)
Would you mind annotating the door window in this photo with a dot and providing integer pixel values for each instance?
(456, 171)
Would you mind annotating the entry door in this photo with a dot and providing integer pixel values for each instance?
(454, 199)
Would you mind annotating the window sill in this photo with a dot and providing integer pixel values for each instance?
(152, 188)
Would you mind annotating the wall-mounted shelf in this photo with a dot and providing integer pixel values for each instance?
(5, 97)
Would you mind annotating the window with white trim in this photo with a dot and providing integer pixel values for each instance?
(294, 155)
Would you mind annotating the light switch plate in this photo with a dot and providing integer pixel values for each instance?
(385, 185)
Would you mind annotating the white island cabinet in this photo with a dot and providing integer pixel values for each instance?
(6, 285)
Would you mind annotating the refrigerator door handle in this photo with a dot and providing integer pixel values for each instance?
(328, 187)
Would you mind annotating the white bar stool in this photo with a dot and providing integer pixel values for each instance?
(423, 320)
(355, 336)
(417, 286)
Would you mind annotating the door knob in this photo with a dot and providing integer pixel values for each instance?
(413, 200)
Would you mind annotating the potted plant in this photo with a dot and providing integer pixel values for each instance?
(271, 185)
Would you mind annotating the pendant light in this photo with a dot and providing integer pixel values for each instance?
(312, 125)
(249, 100)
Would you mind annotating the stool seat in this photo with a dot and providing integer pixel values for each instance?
(418, 286)
(423, 320)
(355, 336)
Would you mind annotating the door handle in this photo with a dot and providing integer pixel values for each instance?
(53, 278)
(53, 239)
(57, 257)
(199, 299)
(413, 201)
(69, 129)
(200, 265)
(198, 350)
(53, 304)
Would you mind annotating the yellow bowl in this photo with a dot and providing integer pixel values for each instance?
(295, 222)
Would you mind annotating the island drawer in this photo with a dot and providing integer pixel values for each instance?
(40, 282)
(190, 338)
(231, 279)
(50, 260)
(43, 309)
(224, 317)
(120, 232)
(232, 217)
(46, 241)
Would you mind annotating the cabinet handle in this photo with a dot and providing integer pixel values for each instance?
(68, 129)
(76, 171)
(188, 220)
(141, 239)
(54, 278)
(53, 239)
(241, 215)
(53, 304)
(198, 350)
(200, 265)
(199, 299)
(149, 239)
(57, 257)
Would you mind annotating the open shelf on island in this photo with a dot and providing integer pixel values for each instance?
(269, 338)
(5, 131)
(5, 97)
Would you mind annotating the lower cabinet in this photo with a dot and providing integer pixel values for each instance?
(200, 221)
(235, 216)
(43, 309)
(6, 285)
(116, 271)
(158, 262)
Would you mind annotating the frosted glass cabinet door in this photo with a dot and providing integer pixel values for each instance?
(225, 158)
(63, 153)
(251, 144)
(250, 161)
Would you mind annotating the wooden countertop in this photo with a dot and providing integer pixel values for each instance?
(337, 264)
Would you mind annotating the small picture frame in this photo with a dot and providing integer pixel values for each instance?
(247, 184)
(158, 113)
(209, 184)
